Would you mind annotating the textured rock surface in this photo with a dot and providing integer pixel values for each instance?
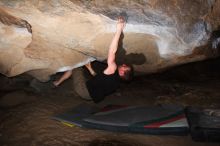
(44, 37)
(15, 98)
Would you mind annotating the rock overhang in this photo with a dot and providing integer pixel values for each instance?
(68, 34)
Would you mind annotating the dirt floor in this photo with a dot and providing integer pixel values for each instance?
(25, 115)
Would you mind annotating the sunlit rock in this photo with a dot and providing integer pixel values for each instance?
(54, 36)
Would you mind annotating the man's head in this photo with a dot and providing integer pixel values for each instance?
(125, 72)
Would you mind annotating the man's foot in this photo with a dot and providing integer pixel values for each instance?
(56, 83)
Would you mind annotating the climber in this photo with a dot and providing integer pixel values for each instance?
(105, 82)
(108, 81)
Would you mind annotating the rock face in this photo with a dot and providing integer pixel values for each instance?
(15, 98)
(41, 37)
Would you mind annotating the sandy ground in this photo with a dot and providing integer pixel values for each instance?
(29, 123)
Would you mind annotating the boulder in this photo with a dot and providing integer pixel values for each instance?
(41, 37)
(15, 98)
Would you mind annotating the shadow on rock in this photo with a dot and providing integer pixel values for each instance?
(132, 58)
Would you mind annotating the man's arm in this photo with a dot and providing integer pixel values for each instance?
(113, 48)
(89, 67)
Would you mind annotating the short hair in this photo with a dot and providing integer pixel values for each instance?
(128, 76)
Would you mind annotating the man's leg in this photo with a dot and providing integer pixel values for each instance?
(65, 76)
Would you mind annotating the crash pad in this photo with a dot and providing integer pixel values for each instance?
(163, 119)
